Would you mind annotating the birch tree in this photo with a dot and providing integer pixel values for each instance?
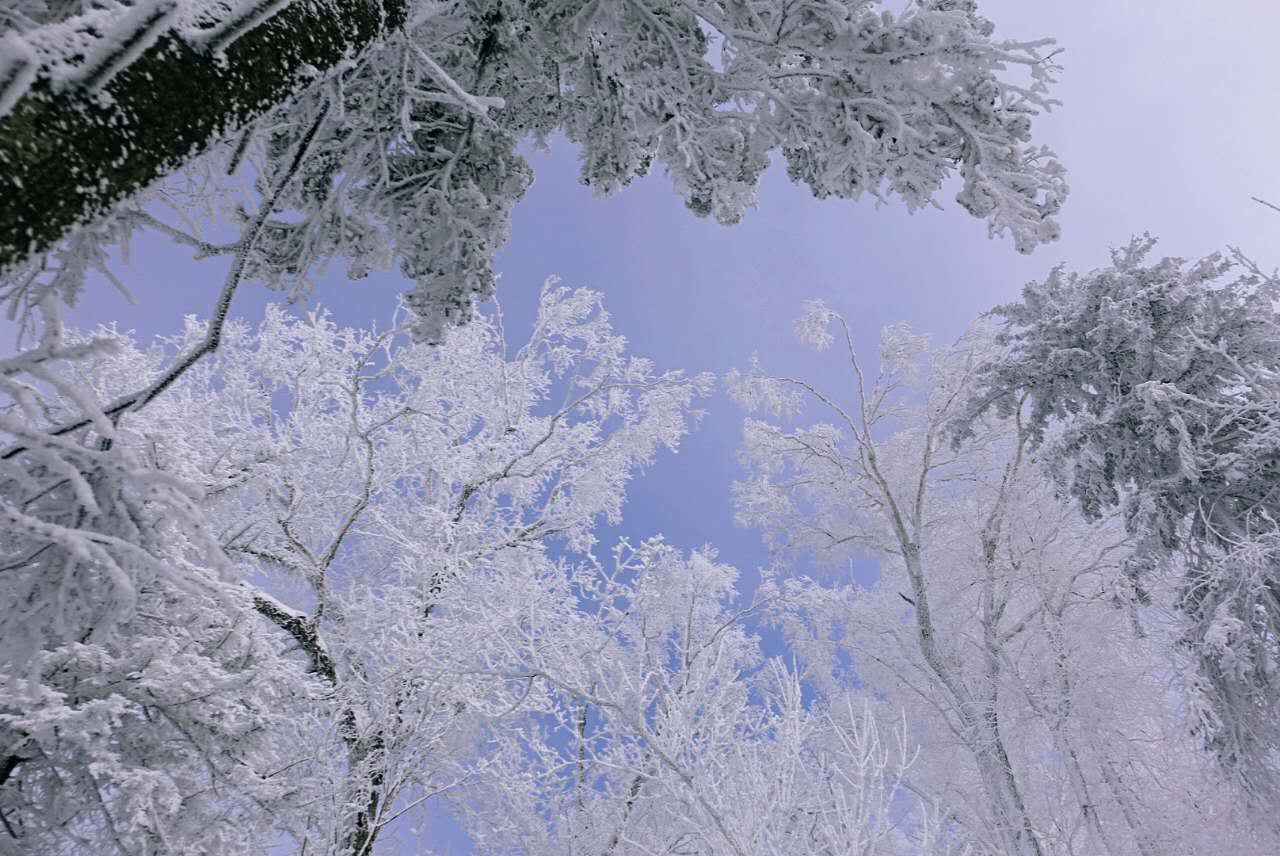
(1002, 619)
(1153, 388)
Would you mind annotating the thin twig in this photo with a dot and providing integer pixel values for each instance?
(1270, 205)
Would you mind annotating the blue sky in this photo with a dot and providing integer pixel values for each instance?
(1169, 124)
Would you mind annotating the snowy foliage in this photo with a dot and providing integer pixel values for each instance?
(665, 730)
(328, 578)
(402, 488)
(299, 587)
(421, 616)
(127, 651)
(386, 497)
(415, 151)
(1002, 620)
(1154, 388)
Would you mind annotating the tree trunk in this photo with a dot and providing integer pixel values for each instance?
(981, 726)
(1006, 798)
(69, 152)
(366, 761)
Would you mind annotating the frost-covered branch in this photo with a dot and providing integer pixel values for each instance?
(421, 165)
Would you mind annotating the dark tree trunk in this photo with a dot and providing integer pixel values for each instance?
(71, 155)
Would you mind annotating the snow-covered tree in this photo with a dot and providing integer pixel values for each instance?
(1002, 620)
(135, 689)
(412, 114)
(393, 477)
(665, 730)
(409, 610)
(377, 495)
(1154, 387)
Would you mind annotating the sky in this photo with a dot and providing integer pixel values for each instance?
(1168, 125)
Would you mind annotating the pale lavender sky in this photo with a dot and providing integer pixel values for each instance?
(1169, 124)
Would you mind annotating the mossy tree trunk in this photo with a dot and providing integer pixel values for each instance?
(68, 154)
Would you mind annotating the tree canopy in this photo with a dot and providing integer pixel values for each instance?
(1153, 388)
(294, 585)
(413, 115)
